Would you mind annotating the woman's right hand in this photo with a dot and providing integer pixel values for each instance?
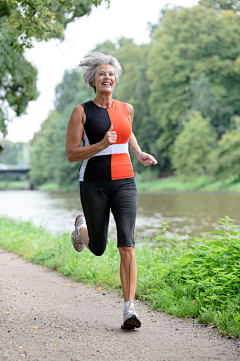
(109, 138)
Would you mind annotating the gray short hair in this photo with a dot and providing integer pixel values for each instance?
(92, 60)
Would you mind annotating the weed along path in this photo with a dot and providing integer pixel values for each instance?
(46, 316)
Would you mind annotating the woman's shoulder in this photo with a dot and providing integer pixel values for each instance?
(88, 103)
(130, 110)
(129, 107)
(78, 110)
(124, 104)
(78, 114)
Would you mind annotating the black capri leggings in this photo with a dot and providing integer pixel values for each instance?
(97, 198)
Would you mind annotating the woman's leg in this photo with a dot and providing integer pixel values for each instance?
(128, 272)
(124, 208)
(96, 209)
(84, 235)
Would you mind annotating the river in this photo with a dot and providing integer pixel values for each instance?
(186, 213)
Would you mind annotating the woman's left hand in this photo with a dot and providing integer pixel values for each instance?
(146, 159)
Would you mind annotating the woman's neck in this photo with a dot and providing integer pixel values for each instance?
(103, 100)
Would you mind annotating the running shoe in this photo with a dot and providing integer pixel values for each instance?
(77, 241)
(130, 317)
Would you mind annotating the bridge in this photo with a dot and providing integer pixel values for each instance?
(13, 169)
(15, 164)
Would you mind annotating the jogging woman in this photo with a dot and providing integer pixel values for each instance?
(106, 175)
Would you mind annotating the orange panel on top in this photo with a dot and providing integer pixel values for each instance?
(120, 120)
(121, 166)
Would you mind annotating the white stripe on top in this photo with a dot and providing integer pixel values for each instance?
(112, 149)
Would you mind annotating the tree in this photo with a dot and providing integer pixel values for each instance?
(42, 19)
(201, 98)
(17, 82)
(190, 44)
(225, 160)
(192, 147)
(221, 4)
(22, 21)
(65, 173)
(42, 151)
(49, 158)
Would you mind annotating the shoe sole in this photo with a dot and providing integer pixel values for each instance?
(132, 322)
(128, 327)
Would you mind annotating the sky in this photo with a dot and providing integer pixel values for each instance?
(128, 18)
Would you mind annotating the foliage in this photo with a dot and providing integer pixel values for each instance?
(201, 98)
(13, 185)
(12, 153)
(189, 44)
(17, 78)
(41, 19)
(203, 278)
(199, 280)
(221, 4)
(225, 160)
(49, 158)
(42, 151)
(65, 173)
(192, 148)
(22, 21)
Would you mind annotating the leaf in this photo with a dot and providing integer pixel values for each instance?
(217, 232)
(35, 327)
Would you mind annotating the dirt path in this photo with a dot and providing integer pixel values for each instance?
(45, 316)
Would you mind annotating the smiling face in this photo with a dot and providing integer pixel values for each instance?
(105, 79)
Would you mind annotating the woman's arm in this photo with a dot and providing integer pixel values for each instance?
(74, 138)
(145, 158)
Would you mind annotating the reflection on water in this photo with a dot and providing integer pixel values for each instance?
(189, 213)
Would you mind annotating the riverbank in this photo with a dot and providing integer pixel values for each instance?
(199, 281)
(202, 184)
(5, 185)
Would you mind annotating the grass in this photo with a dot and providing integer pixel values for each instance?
(54, 187)
(199, 278)
(200, 184)
(51, 186)
(168, 184)
(11, 185)
(149, 182)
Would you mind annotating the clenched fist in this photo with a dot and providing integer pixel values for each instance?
(109, 138)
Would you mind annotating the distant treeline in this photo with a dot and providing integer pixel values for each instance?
(185, 89)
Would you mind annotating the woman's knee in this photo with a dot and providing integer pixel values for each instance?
(126, 252)
(97, 249)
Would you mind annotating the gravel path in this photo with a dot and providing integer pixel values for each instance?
(45, 316)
